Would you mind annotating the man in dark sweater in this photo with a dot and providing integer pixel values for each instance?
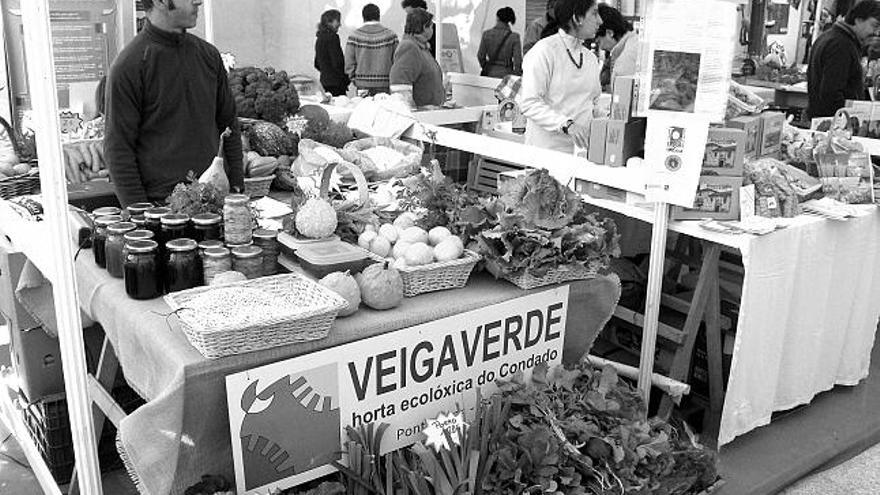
(168, 101)
(835, 71)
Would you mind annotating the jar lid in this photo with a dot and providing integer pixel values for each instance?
(121, 227)
(107, 220)
(156, 212)
(106, 210)
(216, 252)
(206, 219)
(175, 219)
(141, 246)
(233, 246)
(136, 208)
(236, 199)
(138, 219)
(266, 234)
(210, 244)
(182, 244)
(247, 251)
(139, 235)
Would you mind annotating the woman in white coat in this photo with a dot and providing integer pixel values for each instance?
(560, 84)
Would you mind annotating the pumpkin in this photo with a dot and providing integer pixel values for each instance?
(381, 286)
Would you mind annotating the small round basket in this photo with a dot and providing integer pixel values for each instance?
(257, 187)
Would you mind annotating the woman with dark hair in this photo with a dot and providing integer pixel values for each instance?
(616, 36)
(500, 52)
(560, 84)
(329, 60)
(414, 70)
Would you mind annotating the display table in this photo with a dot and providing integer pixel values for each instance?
(183, 433)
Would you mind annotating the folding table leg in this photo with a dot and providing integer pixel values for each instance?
(712, 419)
(682, 361)
(108, 366)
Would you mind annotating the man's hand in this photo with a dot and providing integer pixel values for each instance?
(580, 134)
(84, 161)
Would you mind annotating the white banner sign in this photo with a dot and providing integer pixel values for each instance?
(287, 419)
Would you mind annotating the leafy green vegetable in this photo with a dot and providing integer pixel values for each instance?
(192, 197)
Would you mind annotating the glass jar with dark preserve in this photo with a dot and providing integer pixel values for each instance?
(205, 245)
(182, 266)
(99, 237)
(114, 246)
(206, 226)
(153, 216)
(248, 260)
(141, 270)
(267, 240)
(237, 221)
(140, 222)
(106, 211)
(135, 235)
(135, 209)
(174, 226)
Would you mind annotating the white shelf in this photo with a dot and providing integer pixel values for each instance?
(872, 146)
(29, 238)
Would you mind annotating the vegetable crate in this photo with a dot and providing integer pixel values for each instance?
(48, 423)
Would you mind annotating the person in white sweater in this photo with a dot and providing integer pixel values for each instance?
(560, 84)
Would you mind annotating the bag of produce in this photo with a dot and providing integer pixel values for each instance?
(387, 158)
(314, 156)
(216, 173)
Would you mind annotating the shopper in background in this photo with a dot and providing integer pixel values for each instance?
(168, 100)
(369, 53)
(560, 84)
(408, 5)
(835, 74)
(329, 60)
(414, 70)
(500, 52)
(616, 36)
(536, 28)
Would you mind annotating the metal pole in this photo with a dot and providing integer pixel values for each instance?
(44, 99)
(209, 21)
(652, 304)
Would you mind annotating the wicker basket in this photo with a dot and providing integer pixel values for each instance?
(257, 187)
(295, 310)
(441, 275)
(527, 281)
(19, 185)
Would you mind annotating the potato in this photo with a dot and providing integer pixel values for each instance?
(7, 169)
(21, 168)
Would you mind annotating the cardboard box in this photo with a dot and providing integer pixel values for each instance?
(624, 93)
(771, 133)
(859, 116)
(598, 133)
(725, 150)
(599, 191)
(717, 198)
(751, 125)
(624, 140)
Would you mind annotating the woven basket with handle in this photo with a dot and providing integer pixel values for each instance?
(301, 311)
(527, 281)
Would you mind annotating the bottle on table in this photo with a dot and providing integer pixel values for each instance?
(237, 221)
(207, 227)
(99, 237)
(153, 217)
(135, 209)
(182, 267)
(114, 246)
(248, 260)
(215, 260)
(141, 270)
(267, 240)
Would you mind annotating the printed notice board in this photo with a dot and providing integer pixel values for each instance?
(287, 419)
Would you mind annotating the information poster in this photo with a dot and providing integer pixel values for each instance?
(288, 419)
(79, 44)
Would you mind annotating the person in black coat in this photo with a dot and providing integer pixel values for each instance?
(329, 60)
(835, 71)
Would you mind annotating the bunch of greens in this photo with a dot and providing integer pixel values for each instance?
(444, 203)
(581, 431)
(192, 197)
(538, 225)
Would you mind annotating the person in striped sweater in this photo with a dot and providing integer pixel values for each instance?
(369, 53)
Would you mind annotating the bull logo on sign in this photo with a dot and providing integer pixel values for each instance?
(290, 427)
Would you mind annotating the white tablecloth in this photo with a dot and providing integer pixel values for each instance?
(808, 315)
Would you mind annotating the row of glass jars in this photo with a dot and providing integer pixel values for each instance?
(164, 258)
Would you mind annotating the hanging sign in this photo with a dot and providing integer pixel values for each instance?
(288, 419)
(674, 148)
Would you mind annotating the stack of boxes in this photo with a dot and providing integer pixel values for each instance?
(616, 139)
(745, 137)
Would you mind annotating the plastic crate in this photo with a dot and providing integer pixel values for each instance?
(48, 423)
